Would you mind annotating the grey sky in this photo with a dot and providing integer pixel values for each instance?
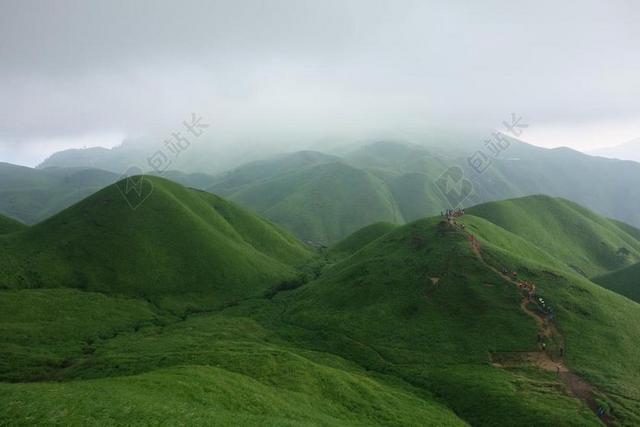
(76, 73)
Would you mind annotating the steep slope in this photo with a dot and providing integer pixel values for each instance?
(627, 151)
(585, 241)
(320, 203)
(8, 225)
(176, 242)
(31, 195)
(625, 281)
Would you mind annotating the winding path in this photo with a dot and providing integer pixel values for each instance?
(578, 387)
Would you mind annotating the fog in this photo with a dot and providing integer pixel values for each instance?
(303, 73)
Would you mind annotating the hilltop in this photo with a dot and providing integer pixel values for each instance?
(398, 178)
(420, 303)
(176, 242)
(588, 243)
(320, 202)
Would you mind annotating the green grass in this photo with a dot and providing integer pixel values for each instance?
(356, 241)
(625, 281)
(321, 203)
(45, 330)
(32, 195)
(9, 225)
(398, 329)
(588, 243)
(178, 242)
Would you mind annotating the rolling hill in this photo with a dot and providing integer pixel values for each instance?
(32, 195)
(625, 281)
(419, 303)
(583, 240)
(398, 179)
(321, 202)
(176, 242)
(191, 309)
(404, 178)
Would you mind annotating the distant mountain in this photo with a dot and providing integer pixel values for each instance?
(317, 197)
(323, 198)
(31, 195)
(403, 181)
(627, 151)
(177, 241)
(194, 155)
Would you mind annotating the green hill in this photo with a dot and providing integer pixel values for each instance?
(31, 195)
(8, 225)
(417, 302)
(320, 203)
(356, 241)
(588, 243)
(625, 281)
(177, 242)
(406, 325)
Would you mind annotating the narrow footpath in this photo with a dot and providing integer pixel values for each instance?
(577, 387)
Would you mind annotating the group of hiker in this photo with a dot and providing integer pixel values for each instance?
(452, 213)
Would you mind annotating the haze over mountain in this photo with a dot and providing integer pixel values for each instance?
(627, 151)
(323, 197)
(319, 213)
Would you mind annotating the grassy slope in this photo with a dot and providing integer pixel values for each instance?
(625, 281)
(381, 308)
(586, 241)
(374, 340)
(133, 364)
(322, 203)
(356, 241)
(598, 325)
(178, 242)
(9, 225)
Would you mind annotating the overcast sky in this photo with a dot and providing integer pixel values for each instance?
(85, 73)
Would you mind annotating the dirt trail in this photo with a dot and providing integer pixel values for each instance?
(576, 386)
